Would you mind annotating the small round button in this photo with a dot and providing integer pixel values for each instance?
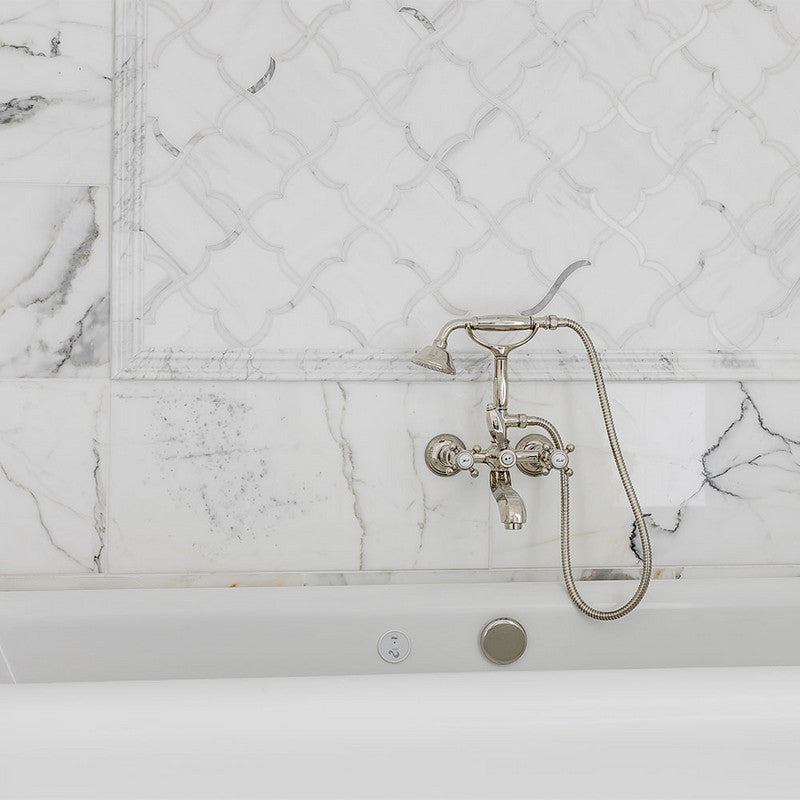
(465, 460)
(394, 647)
(508, 458)
(503, 641)
(559, 459)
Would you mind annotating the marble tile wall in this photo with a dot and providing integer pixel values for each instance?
(56, 75)
(204, 339)
(304, 187)
(330, 476)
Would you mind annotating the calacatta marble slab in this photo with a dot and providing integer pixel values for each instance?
(54, 281)
(55, 91)
(53, 481)
(330, 477)
(292, 476)
(716, 467)
(308, 190)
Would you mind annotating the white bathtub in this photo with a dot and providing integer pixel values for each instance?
(585, 713)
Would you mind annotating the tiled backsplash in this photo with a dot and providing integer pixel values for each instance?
(303, 192)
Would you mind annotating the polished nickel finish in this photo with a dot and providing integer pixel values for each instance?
(441, 455)
(535, 454)
(435, 357)
(544, 455)
(503, 641)
(509, 503)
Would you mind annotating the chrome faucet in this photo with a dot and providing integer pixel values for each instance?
(534, 454)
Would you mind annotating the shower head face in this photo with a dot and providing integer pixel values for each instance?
(435, 358)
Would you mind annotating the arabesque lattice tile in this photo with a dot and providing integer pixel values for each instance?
(309, 189)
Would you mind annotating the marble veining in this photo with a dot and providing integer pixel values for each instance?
(350, 173)
(751, 473)
(303, 192)
(55, 91)
(716, 470)
(54, 288)
(243, 476)
(18, 110)
(53, 479)
(334, 398)
(298, 477)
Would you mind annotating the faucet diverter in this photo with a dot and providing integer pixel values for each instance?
(535, 454)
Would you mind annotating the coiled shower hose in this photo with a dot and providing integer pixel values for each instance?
(566, 561)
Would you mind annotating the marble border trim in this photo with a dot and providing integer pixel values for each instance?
(542, 365)
(371, 577)
(130, 359)
(130, 62)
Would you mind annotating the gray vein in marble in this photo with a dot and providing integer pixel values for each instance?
(422, 524)
(99, 510)
(47, 292)
(419, 16)
(44, 526)
(19, 110)
(348, 468)
(100, 503)
(77, 259)
(163, 141)
(264, 79)
(712, 476)
(78, 350)
(654, 527)
(747, 409)
(55, 47)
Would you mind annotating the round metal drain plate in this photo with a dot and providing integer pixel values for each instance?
(503, 640)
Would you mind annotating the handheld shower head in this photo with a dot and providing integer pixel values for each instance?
(435, 357)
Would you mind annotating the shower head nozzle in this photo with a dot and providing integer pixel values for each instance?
(435, 357)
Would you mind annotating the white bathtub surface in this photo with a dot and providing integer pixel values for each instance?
(156, 634)
(699, 733)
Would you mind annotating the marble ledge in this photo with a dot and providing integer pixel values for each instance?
(233, 580)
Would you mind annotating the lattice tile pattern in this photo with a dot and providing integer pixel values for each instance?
(311, 189)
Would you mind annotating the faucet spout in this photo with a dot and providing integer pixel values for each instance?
(509, 503)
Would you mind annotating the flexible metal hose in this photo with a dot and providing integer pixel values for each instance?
(566, 561)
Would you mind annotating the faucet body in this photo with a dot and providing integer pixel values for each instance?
(534, 455)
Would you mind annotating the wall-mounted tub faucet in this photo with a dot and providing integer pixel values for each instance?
(535, 454)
